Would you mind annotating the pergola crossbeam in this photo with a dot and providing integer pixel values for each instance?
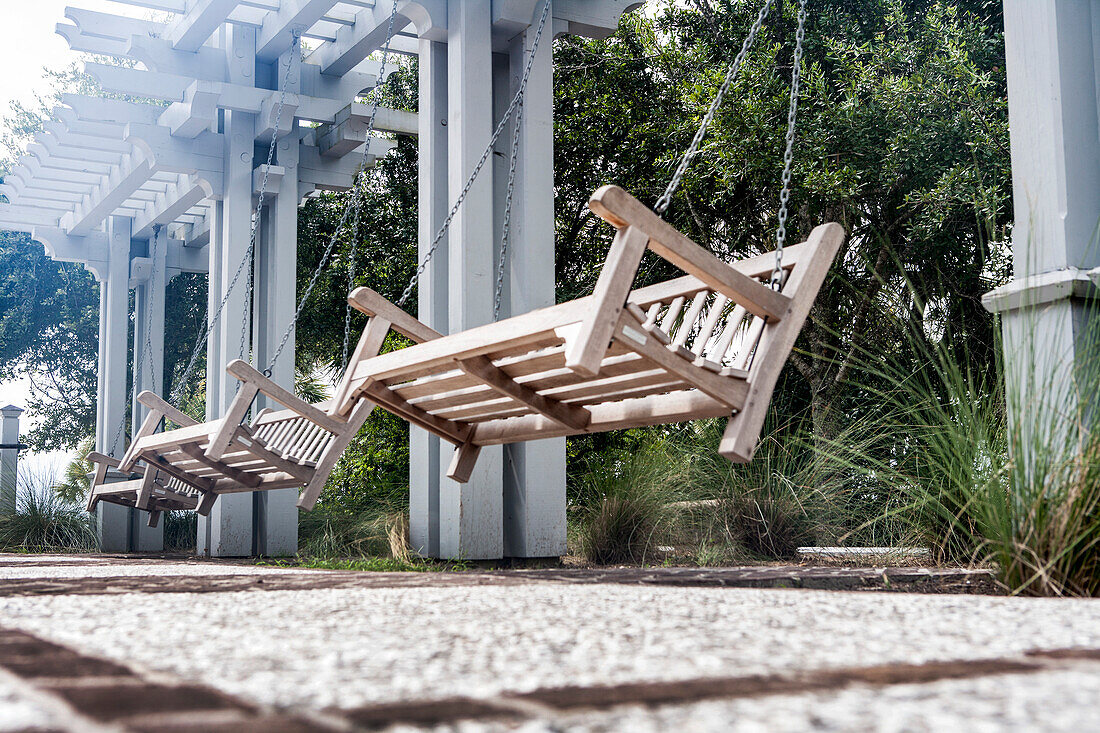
(189, 31)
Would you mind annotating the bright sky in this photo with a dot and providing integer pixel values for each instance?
(30, 43)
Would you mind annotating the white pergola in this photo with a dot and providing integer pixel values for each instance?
(175, 172)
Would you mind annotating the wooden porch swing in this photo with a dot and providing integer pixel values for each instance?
(708, 344)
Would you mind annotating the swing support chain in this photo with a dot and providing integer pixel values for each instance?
(246, 261)
(352, 207)
(731, 74)
(788, 154)
(508, 113)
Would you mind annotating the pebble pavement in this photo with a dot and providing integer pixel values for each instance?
(344, 648)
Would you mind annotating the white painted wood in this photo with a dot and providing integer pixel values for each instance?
(113, 522)
(471, 514)
(425, 466)
(534, 473)
(189, 31)
(229, 527)
(9, 458)
(276, 262)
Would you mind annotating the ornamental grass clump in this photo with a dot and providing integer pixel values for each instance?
(44, 522)
(1006, 478)
(624, 513)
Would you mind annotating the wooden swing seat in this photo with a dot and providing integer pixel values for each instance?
(189, 467)
(710, 344)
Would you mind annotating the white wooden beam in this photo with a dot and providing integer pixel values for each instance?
(95, 24)
(64, 247)
(179, 198)
(277, 34)
(84, 43)
(112, 111)
(189, 31)
(115, 188)
(354, 43)
(157, 54)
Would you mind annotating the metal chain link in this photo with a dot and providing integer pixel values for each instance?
(731, 74)
(788, 155)
(354, 254)
(246, 261)
(484, 157)
(506, 227)
(353, 203)
(143, 352)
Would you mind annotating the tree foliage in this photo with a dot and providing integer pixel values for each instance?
(902, 138)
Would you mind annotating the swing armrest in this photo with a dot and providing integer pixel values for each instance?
(373, 304)
(621, 210)
(101, 463)
(156, 404)
(101, 460)
(253, 381)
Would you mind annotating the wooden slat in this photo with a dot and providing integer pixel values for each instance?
(529, 328)
(733, 324)
(603, 389)
(619, 365)
(669, 319)
(748, 343)
(454, 432)
(224, 469)
(482, 368)
(302, 473)
(688, 324)
(489, 409)
(730, 392)
(706, 331)
(655, 410)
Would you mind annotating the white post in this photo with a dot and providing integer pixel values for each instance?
(112, 520)
(9, 458)
(227, 532)
(424, 448)
(276, 513)
(149, 367)
(534, 473)
(470, 514)
(1051, 48)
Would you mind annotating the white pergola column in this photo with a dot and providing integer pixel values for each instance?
(9, 458)
(275, 512)
(534, 473)
(1052, 49)
(149, 367)
(470, 514)
(426, 468)
(227, 532)
(112, 520)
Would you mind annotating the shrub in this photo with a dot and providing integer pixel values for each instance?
(180, 531)
(625, 506)
(44, 522)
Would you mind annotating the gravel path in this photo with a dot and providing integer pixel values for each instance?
(343, 648)
(350, 647)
